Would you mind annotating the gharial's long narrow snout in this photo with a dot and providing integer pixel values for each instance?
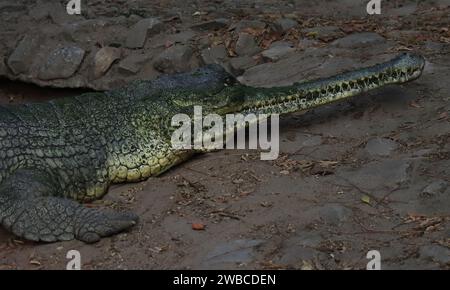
(303, 96)
(405, 67)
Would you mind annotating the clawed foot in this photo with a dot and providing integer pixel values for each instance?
(103, 224)
(51, 219)
(27, 211)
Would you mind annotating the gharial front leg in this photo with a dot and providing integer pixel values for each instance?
(30, 209)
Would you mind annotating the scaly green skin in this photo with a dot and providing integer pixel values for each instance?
(72, 149)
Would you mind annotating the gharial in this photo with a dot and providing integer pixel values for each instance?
(57, 154)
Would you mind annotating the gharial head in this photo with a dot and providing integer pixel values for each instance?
(204, 87)
(230, 97)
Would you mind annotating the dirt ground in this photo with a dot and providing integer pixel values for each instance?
(371, 173)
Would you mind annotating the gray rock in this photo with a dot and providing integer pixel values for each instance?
(133, 63)
(281, 43)
(40, 11)
(164, 40)
(138, 33)
(404, 10)
(240, 64)
(278, 51)
(122, 20)
(237, 251)
(62, 63)
(387, 173)
(422, 152)
(324, 32)
(104, 58)
(246, 45)
(299, 248)
(133, 18)
(215, 54)
(175, 59)
(245, 24)
(21, 58)
(312, 141)
(203, 42)
(305, 43)
(148, 72)
(53, 10)
(435, 253)
(332, 213)
(215, 24)
(380, 146)
(434, 188)
(84, 26)
(58, 13)
(284, 24)
(358, 40)
(306, 239)
(433, 46)
(88, 31)
(182, 37)
(286, 71)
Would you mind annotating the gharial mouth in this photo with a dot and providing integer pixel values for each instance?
(401, 69)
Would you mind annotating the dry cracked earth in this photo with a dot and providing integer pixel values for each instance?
(371, 173)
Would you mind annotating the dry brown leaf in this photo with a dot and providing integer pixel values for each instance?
(198, 227)
(403, 48)
(365, 199)
(326, 163)
(443, 116)
(35, 262)
(254, 31)
(306, 265)
(414, 105)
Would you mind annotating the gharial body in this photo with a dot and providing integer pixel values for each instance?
(58, 154)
